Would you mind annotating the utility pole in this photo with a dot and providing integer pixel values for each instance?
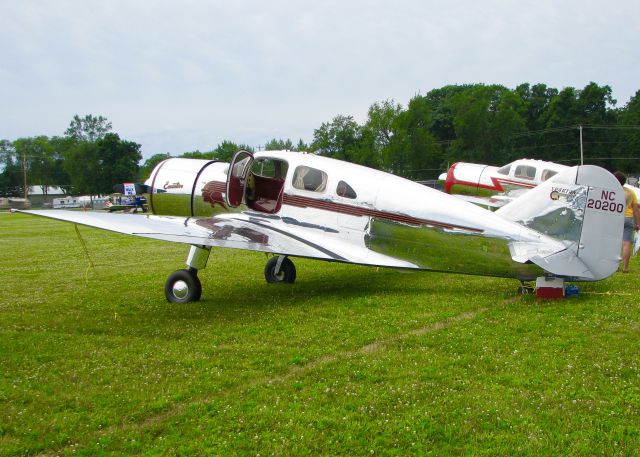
(581, 147)
(24, 177)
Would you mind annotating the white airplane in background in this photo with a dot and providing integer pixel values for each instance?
(495, 186)
(293, 204)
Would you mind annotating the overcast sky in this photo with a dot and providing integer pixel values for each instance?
(178, 76)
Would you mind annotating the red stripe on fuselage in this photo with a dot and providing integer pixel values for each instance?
(213, 190)
(308, 202)
(497, 184)
(500, 181)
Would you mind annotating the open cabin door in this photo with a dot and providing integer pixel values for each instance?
(265, 184)
(237, 177)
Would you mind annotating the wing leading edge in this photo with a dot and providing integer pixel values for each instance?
(235, 231)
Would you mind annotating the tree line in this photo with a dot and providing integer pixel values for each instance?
(480, 123)
(489, 124)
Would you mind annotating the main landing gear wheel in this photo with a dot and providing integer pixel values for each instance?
(286, 274)
(183, 286)
(526, 288)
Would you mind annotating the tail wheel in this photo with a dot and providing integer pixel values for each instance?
(183, 286)
(286, 274)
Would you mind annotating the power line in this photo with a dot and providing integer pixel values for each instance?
(576, 127)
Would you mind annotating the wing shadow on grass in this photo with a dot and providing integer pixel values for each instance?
(108, 306)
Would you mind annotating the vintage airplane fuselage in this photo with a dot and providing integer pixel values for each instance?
(379, 218)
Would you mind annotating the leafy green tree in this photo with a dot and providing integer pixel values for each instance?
(10, 171)
(7, 153)
(95, 167)
(473, 112)
(338, 139)
(44, 158)
(198, 155)
(562, 110)
(84, 166)
(225, 151)
(629, 123)
(536, 143)
(119, 160)
(485, 118)
(536, 101)
(88, 128)
(506, 122)
(302, 146)
(443, 112)
(377, 133)
(594, 105)
(59, 147)
(150, 164)
(279, 145)
(413, 151)
(566, 111)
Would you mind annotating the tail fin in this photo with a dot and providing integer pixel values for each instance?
(583, 207)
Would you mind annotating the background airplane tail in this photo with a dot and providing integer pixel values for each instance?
(583, 207)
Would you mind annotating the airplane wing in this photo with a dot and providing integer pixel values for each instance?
(246, 230)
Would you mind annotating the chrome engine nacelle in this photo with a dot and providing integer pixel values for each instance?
(188, 187)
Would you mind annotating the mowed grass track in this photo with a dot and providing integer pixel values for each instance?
(346, 361)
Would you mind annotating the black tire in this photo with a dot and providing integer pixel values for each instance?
(525, 290)
(286, 275)
(183, 286)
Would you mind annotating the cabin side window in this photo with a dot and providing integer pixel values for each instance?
(525, 172)
(345, 190)
(546, 174)
(312, 179)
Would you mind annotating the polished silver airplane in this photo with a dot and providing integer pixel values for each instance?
(292, 204)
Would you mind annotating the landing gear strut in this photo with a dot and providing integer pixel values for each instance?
(280, 270)
(184, 286)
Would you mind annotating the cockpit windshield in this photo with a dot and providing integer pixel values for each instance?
(505, 170)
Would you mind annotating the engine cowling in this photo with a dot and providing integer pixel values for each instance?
(188, 187)
(470, 179)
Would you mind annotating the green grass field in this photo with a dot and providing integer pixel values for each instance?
(346, 361)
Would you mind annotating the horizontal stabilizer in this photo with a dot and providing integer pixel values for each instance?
(564, 263)
(523, 252)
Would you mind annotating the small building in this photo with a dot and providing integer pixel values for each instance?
(66, 202)
(14, 203)
(83, 201)
(44, 195)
